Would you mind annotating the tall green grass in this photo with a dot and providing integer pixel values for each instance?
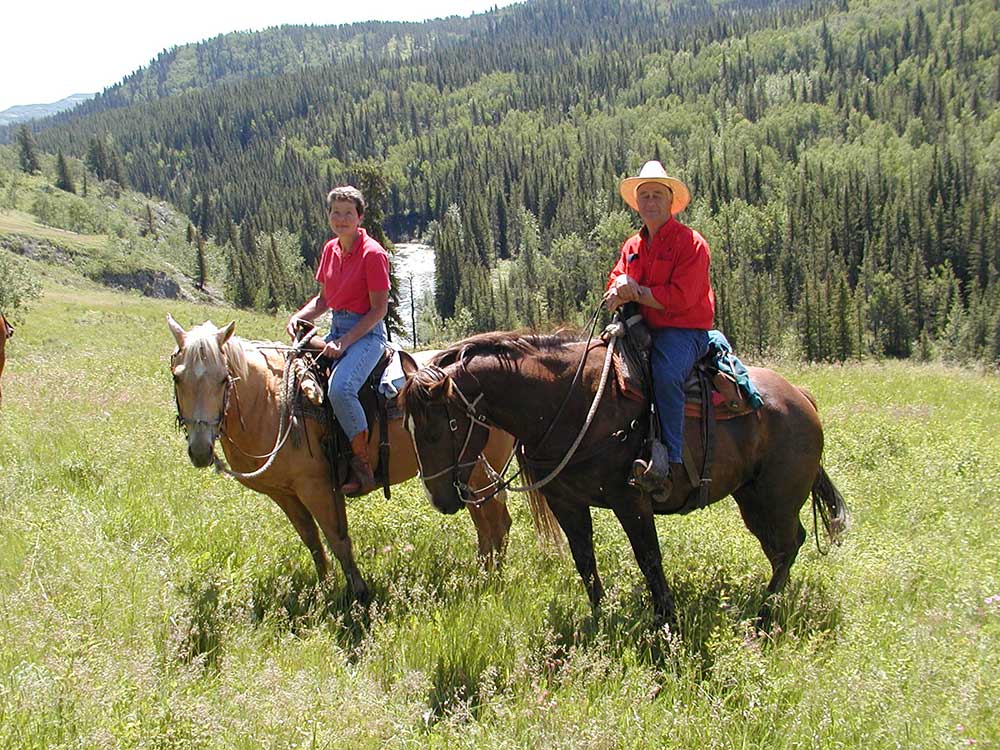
(144, 603)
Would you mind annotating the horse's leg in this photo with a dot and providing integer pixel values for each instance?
(328, 508)
(304, 523)
(492, 522)
(578, 526)
(773, 517)
(637, 520)
(492, 519)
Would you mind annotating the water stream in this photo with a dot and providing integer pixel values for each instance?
(415, 262)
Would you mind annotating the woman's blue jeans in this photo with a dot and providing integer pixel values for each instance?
(352, 369)
(674, 354)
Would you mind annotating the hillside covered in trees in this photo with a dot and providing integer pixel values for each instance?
(844, 156)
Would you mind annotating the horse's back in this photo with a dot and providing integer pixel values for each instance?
(789, 417)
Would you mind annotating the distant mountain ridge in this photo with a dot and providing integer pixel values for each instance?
(21, 112)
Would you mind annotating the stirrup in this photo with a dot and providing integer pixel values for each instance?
(362, 479)
(645, 475)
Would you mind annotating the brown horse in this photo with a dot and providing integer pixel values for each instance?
(769, 461)
(229, 389)
(6, 331)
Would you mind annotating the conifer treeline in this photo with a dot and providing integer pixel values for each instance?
(842, 156)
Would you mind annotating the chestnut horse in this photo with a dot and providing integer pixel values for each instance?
(769, 461)
(6, 331)
(229, 389)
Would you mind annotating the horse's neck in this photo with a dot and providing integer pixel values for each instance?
(526, 401)
(252, 417)
(522, 402)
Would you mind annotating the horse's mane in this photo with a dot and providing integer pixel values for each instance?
(505, 345)
(201, 345)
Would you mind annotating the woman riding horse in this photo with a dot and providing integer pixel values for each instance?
(353, 275)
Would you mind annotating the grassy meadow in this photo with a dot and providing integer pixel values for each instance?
(147, 604)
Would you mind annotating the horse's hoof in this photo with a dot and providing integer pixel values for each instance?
(666, 622)
(363, 595)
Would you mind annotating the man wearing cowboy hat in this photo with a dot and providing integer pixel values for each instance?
(664, 268)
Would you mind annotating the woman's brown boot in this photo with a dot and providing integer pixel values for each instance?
(362, 480)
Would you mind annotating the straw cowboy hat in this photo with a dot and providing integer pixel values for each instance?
(653, 171)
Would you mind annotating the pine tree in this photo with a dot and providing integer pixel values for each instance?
(26, 151)
(97, 158)
(842, 319)
(200, 263)
(149, 230)
(64, 180)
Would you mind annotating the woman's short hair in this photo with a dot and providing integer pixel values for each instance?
(346, 193)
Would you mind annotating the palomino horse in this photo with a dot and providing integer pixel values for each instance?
(769, 461)
(6, 331)
(229, 389)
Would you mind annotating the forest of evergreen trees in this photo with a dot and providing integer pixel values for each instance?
(844, 156)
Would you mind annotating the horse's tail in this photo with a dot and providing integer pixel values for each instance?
(829, 504)
(546, 526)
(827, 501)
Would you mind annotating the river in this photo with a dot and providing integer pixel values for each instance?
(416, 261)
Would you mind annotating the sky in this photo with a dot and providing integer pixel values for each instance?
(51, 49)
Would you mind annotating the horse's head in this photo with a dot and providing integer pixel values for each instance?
(448, 435)
(202, 381)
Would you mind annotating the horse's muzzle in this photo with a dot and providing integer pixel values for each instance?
(200, 450)
(447, 502)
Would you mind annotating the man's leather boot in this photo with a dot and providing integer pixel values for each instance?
(362, 480)
(654, 476)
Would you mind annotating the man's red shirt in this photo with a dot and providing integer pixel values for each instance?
(674, 265)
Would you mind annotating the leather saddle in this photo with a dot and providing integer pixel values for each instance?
(710, 395)
(378, 408)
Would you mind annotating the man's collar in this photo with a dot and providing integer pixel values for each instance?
(644, 232)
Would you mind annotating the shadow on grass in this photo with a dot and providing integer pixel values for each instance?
(290, 599)
(805, 609)
(197, 628)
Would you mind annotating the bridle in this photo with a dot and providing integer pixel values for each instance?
(214, 424)
(499, 484)
(466, 493)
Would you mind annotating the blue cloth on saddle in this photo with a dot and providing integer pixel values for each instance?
(729, 363)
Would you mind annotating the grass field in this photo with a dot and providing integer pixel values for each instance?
(147, 604)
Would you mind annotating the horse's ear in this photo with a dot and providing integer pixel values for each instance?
(175, 328)
(440, 390)
(223, 335)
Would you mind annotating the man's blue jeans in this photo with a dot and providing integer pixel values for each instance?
(674, 354)
(352, 369)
